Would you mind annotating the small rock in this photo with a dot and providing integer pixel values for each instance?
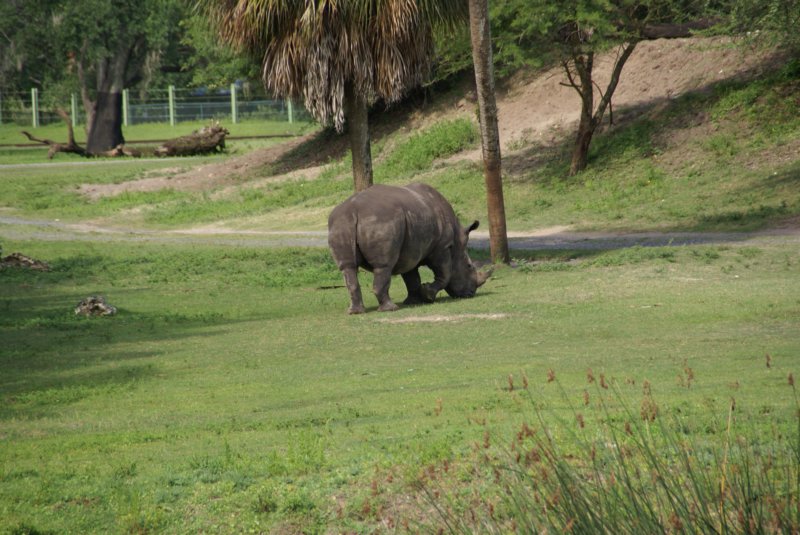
(95, 305)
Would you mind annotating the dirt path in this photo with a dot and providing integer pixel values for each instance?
(556, 238)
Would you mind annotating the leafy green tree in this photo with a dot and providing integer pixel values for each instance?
(28, 52)
(533, 33)
(110, 46)
(774, 21)
(573, 32)
(208, 61)
(339, 56)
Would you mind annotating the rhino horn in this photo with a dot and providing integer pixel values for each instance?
(483, 276)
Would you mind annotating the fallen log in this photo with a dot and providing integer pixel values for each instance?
(208, 139)
(121, 150)
(55, 147)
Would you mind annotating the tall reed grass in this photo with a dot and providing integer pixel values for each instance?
(611, 467)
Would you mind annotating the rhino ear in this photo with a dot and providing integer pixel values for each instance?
(473, 226)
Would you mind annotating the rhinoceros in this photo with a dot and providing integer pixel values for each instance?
(391, 230)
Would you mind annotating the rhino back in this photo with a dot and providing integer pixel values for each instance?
(388, 226)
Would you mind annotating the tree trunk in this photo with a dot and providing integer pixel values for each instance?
(490, 137)
(580, 153)
(356, 112)
(105, 131)
(591, 118)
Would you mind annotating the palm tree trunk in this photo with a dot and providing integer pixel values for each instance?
(490, 136)
(357, 115)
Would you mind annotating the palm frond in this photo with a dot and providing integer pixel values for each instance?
(311, 48)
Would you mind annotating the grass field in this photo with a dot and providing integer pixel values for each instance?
(232, 394)
(250, 400)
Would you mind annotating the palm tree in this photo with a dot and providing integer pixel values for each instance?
(338, 55)
(490, 137)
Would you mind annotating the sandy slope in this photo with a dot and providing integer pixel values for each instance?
(535, 109)
(656, 72)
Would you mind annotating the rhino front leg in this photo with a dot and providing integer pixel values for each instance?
(351, 281)
(441, 274)
(413, 286)
(380, 285)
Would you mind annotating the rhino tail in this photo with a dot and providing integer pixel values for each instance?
(354, 240)
(343, 241)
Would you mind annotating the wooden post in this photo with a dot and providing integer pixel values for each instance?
(125, 101)
(234, 110)
(290, 110)
(73, 109)
(172, 105)
(35, 107)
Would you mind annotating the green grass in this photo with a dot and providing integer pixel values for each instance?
(232, 393)
(137, 134)
(418, 151)
(10, 133)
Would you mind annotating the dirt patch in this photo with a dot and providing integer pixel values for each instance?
(214, 175)
(439, 318)
(657, 71)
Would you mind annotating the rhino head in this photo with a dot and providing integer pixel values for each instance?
(464, 278)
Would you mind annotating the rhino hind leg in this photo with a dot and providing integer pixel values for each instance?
(414, 287)
(380, 285)
(351, 281)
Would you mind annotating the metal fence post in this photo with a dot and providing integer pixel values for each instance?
(172, 105)
(35, 107)
(73, 109)
(290, 110)
(125, 117)
(234, 111)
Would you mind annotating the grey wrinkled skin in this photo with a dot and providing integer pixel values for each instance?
(390, 230)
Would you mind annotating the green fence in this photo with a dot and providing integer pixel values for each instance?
(171, 105)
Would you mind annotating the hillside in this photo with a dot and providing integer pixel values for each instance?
(705, 138)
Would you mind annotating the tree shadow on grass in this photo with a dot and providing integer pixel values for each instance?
(327, 145)
(755, 216)
(50, 357)
(41, 394)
